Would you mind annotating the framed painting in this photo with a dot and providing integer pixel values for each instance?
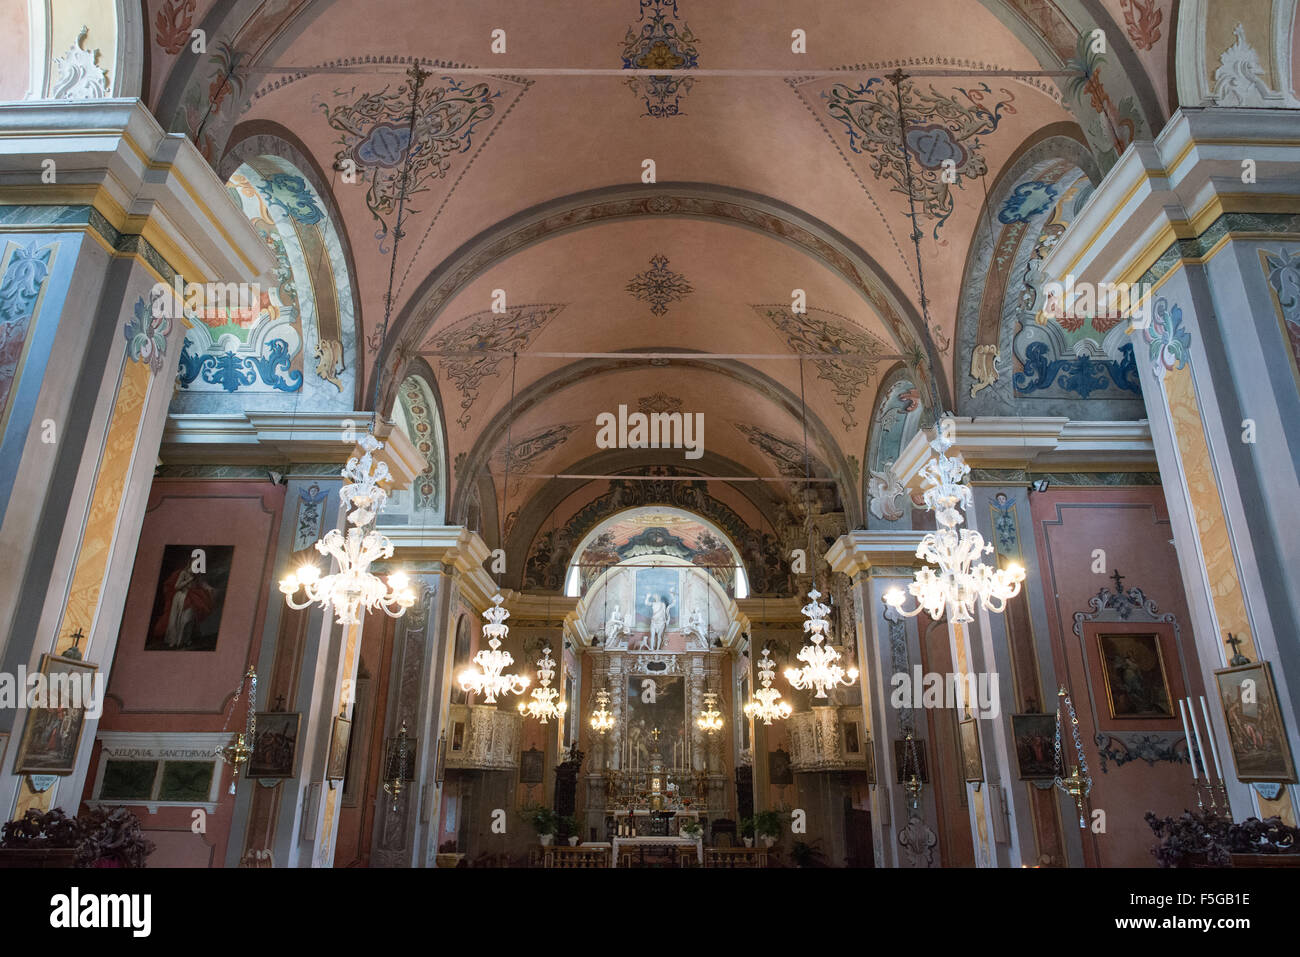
(1134, 671)
(972, 762)
(1255, 733)
(189, 598)
(336, 768)
(852, 740)
(51, 735)
(531, 769)
(779, 772)
(275, 745)
(1035, 738)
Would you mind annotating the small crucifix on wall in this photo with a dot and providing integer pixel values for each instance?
(1119, 582)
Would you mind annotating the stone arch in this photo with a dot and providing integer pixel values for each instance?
(421, 420)
(896, 418)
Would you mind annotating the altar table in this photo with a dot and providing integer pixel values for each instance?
(622, 842)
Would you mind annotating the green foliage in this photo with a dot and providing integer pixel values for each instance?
(540, 817)
(767, 823)
(691, 828)
(747, 827)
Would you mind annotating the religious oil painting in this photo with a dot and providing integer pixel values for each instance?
(275, 745)
(1134, 669)
(1035, 737)
(656, 722)
(972, 763)
(51, 734)
(189, 598)
(1255, 731)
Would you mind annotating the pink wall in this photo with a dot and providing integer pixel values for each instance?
(15, 38)
(178, 691)
(1132, 526)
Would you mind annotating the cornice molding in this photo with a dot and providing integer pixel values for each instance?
(1038, 443)
(270, 438)
(113, 155)
(859, 550)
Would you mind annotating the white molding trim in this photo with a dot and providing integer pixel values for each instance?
(1037, 443)
(860, 549)
(252, 438)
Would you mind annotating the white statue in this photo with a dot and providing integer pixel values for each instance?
(615, 628)
(659, 615)
(695, 625)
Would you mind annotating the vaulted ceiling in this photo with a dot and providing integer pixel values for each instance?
(781, 172)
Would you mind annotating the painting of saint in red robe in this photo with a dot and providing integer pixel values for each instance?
(189, 598)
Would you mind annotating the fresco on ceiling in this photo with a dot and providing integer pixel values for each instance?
(652, 531)
(22, 282)
(659, 402)
(817, 332)
(299, 336)
(424, 433)
(941, 129)
(172, 25)
(1142, 20)
(662, 41)
(551, 552)
(213, 100)
(525, 451)
(493, 335)
(1282, 270)
(659, 286)
(375, 129)
(1066, 356)
(258, 349)
(787, 457)
(1102, 120)
(897, 419)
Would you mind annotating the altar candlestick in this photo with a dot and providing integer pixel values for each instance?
(1196, 729)
(1209, 730)
(1191, 755)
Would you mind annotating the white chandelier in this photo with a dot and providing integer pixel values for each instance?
(353, 586)
(710, 719)
(543, 705)
(821, 669)
(961, 579)
(488, 680)
(602, 719)
(767, 703)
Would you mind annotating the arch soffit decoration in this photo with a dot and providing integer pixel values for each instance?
(264, 138)
(1195, 63)
(492, 434)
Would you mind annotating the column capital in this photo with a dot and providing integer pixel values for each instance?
(861, 549)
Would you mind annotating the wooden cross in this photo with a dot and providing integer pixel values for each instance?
(1237, 657)
(1118, 582)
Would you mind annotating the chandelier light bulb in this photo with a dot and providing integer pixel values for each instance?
(710, 719)
(821, 669)
(353, 589)
(767, 703)
(488, 680)
(602, 719)
(962, 580)
(544, 706)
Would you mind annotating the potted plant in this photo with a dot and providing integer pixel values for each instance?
(543, 821)
(767, 825)
(747, 831)
(447, 856)
(567, 825)
(808, 854)
(691, 828)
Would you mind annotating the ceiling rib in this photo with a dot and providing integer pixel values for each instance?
(401, 68)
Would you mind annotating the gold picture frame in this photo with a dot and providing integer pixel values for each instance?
(1256, 735)
(52, 736)
(336, 768)
(972, 760)
(1133, 671)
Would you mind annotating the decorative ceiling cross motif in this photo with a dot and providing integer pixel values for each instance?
(660, 44)
(659, 286)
